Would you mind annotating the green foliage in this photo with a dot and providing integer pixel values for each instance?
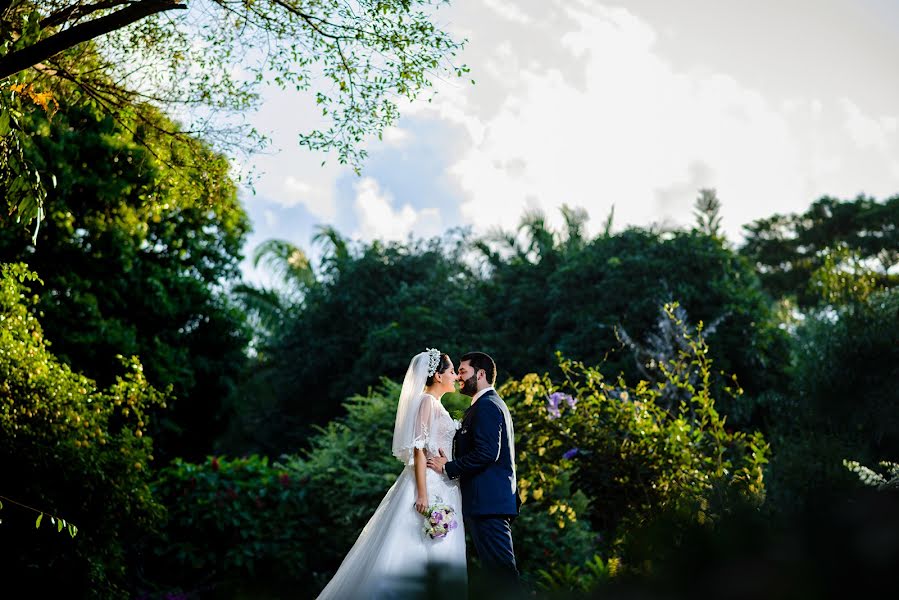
(367, 312)
(620, 281)
(633, 457)
(846, 367)
(578, 578)
(707, 211)
(349, 468)
(842, 402)
(58, 522)
(547, 534)
(72, 448)
(843, 279)
(231, 524)
(20, 181)
(146, 248)
(350, 462)
(355, 62)
(786, 250)
(534, 293)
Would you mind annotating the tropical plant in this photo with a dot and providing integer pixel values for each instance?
(76, 450)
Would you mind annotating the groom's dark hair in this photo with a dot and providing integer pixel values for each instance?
(478, 361)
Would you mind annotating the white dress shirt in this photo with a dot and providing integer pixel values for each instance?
(481, 393)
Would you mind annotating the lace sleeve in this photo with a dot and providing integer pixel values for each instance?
(425, 434)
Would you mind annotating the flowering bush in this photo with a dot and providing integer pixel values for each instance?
(629, 455)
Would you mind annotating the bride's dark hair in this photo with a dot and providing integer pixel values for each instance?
(442, 366)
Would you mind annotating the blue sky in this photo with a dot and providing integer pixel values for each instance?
(593, 104)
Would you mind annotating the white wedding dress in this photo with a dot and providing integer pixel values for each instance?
(391, 554)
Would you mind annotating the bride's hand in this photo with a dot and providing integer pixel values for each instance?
(421, 504)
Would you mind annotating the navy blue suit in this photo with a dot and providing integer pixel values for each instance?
(482, 461)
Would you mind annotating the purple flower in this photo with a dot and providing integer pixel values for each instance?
(555, 401)
(570, 454)
(553, 406)
(436, 516)
(452, 525)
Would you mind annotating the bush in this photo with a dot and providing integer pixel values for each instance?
(632, 457)
(842, 403)
(239, 524)
(70, 449)
(591, 457)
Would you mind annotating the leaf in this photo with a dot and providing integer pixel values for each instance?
(73, 531)
(39, 519)
(59, 525)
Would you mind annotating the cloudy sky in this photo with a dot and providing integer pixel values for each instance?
(634, 105)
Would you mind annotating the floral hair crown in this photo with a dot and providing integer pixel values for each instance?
(433, 360)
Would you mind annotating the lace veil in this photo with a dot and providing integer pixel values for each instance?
(414, 413)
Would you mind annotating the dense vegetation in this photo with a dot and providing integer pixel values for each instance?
(682, 405)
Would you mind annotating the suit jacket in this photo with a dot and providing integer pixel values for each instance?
(482, 461)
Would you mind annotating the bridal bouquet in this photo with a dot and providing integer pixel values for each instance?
(439, 520)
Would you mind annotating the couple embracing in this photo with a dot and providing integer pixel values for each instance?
(458, 477)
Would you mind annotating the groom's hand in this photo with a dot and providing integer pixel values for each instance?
(437, 462)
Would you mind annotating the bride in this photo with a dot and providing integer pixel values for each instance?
(393, 552)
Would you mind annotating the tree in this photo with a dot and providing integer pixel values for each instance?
(135, 257)
(270, 308)
(842, 402)
(133, 57)
(521, 297)
(74, 448)
(370, 309)
(708, 207)
(786, 250)
(620, 281)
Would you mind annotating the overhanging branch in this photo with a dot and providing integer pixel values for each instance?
(28, 57)
(77, 11)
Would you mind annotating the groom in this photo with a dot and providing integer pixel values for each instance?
(484, 461)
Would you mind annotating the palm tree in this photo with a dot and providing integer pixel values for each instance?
(269, 308)
(336, 249)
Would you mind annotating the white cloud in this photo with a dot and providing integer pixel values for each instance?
(866, 131)
(593, 106)
(295, 192)
(639, 135)
(617, 123)
(395, 136)
(508, 10)
(379, 220)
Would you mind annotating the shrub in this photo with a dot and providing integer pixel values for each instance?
(632, 457)
(232, 524)
(71, 449)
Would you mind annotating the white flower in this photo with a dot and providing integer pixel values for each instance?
(433, 360)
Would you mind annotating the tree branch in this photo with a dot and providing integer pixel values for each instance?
(4, 6)
(77, 11)
(28, 57)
